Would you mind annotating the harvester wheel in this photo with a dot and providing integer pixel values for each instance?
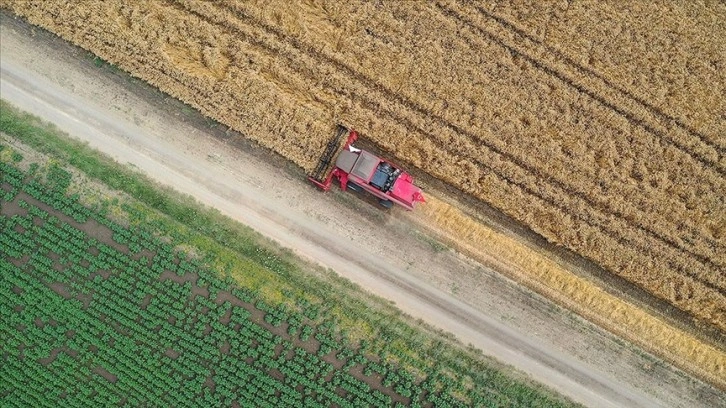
(354, 187)
(386, 203)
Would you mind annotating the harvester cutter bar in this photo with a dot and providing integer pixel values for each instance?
(319, 174)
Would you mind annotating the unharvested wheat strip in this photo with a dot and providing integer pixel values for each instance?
(684, 292)
(700, 301)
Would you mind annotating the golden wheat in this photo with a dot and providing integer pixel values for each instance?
(595, 151)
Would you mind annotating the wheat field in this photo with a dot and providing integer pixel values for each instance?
(600, 128)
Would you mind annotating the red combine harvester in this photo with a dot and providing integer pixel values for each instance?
(360, 170)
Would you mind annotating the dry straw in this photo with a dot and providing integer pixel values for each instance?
(599, 128)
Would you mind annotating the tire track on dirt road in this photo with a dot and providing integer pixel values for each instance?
(194, 175)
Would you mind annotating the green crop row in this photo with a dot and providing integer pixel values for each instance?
(45, 252)
(184, 319)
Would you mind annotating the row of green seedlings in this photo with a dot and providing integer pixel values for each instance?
(14, 178)
(185, 370)
(114, 363)
(179, 306)
(12, 243)
(276, 316)
(121, 312)
(55, 383)
(188, 284)
(21, 326)
(52, 194)
(17, 244)
(53, 248)
(59, 237)
(313, 380)
(240, 343)
(29, 322)
(58, 201)
(259, 334)
(136, 240)
(403, 382)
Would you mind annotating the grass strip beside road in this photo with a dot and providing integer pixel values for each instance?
(363, 318)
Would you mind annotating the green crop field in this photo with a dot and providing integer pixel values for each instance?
(101, 306)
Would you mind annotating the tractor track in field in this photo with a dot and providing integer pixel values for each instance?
(706, 163)
(565, 79)
(712, 281)
(660, 117)
(657, 112)
(416, 108)
(572, 83)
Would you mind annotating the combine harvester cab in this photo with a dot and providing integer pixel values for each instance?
(360, 170)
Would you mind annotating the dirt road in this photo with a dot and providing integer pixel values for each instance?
(378, 251)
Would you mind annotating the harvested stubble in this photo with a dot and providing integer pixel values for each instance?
(583, 155)
(535, 270)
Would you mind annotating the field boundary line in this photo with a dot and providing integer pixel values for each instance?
(545, 276)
